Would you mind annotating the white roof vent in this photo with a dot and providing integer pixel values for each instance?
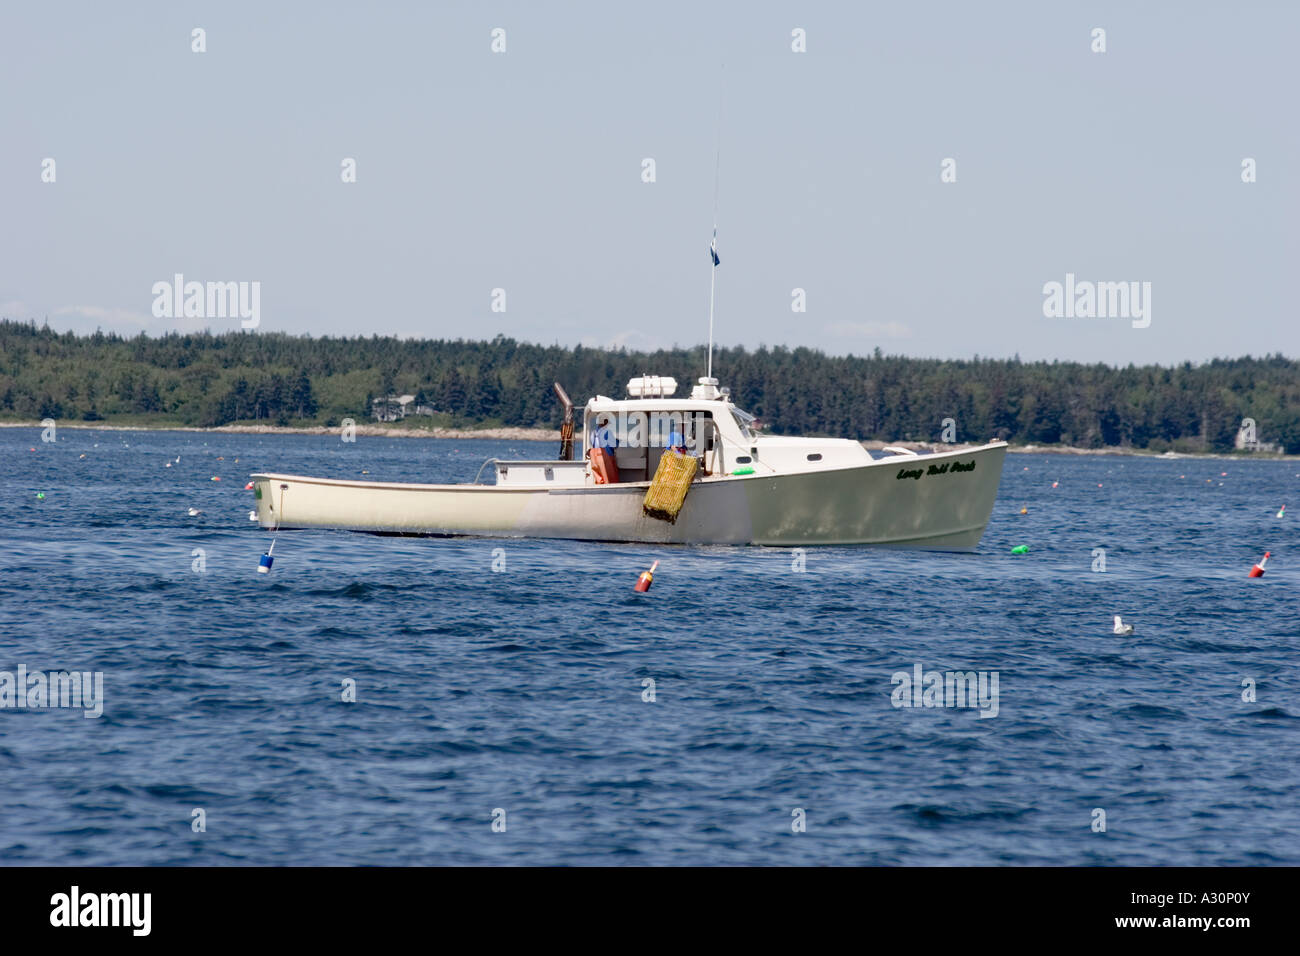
(706, 390)
(651, 386)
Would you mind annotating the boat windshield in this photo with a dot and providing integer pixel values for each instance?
(746, 422)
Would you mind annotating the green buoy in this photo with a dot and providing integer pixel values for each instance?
(1020, 549)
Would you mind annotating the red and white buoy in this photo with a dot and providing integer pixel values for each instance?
(644, 581)
(1258, 570)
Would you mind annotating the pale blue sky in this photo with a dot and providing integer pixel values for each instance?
(523, 170)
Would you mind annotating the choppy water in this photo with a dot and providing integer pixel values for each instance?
(523, 689)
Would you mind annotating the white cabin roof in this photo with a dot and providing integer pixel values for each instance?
(603, 403)
(654, 393)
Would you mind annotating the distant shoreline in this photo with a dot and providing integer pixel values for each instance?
(370, 431)
(553, 435)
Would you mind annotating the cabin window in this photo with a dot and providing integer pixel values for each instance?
(745, 422)
(815, 457)
(743, 459)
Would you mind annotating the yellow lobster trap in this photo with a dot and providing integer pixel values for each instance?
(667, 492)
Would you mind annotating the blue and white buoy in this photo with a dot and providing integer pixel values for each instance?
(264, 565)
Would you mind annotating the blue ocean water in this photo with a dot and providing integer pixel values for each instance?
(521, 690)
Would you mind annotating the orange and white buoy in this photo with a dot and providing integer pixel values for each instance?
(646, 579)
(1258, 570)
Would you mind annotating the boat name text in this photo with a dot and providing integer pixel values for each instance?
(947, 468)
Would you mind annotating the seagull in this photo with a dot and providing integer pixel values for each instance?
(252, 516)
(1122, 629)
(195, 512)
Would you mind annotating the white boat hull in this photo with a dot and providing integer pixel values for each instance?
(882, 503)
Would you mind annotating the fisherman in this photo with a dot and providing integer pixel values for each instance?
(604, 467)
(676, 441)
(603, 436)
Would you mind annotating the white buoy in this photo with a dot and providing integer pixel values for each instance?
(195, 512)
(1122, 629)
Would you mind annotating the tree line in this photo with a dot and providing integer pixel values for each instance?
(205, 380)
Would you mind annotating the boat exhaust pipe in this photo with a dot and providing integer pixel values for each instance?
(566, 428)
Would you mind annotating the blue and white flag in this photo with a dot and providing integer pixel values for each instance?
(713, 248)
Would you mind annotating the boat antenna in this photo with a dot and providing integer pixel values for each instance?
(713, 246)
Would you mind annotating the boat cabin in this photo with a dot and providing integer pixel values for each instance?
(638, 430)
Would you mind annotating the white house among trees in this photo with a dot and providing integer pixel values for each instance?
(393, 407)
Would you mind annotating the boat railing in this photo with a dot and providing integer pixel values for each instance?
(490, 461)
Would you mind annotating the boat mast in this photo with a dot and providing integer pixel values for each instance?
(713, 281)
(713, 246)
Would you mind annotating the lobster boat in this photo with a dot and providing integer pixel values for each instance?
(656, 468)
